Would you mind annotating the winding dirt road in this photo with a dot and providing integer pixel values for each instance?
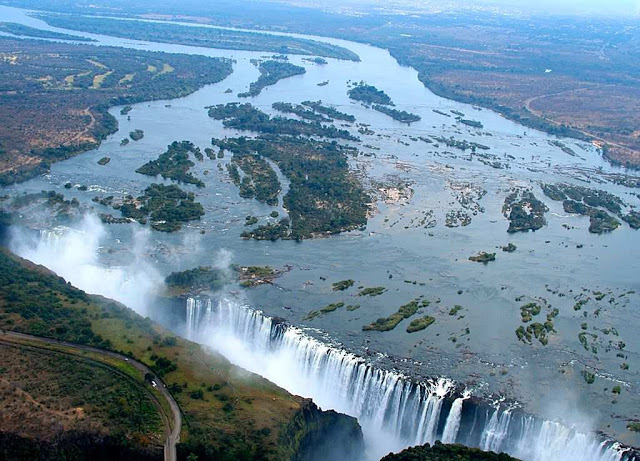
(174, 424)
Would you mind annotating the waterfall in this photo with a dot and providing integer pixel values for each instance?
(395, 412)
(450, 432)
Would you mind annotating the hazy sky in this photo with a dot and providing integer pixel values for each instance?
(594, 7)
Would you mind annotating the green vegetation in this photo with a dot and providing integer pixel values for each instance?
(399, 115)
(372, 291)
(329, 111)
(174, 163)
(634, 426)
(62, 92)
(420, 324)
(51, 200)
(442, 452)
(236, 416)
(301, 111)
(472, 123)
(483, 257)
(524, 211)
(197, 279)
(455, 310)
(248, 118)
(166, 206)
(535, 330)
(589, 377)
(124, 142)
(369, 94)
(273, 232)
(325, 310)
(199, 36)
(323, 197)
(588, 202)
(270, 73)
(389, 323)
(51, 389)
(104, 160)
(136, 135)
(125, 110)
(31, 32)
(342, 285)
(463, 144)
(250, 220)
(633, 219)
(509, 248)
(528, 311)
(251, 276)
(259, 180)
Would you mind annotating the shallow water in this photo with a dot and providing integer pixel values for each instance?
(546, 380)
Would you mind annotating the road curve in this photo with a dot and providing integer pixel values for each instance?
(173, 436)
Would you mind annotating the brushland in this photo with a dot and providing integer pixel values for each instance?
(227, 413)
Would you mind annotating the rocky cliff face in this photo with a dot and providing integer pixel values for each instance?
(316, 435)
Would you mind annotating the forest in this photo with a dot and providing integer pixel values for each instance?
(247, 117)
(174, 163)
(324, 196)
(271, 72)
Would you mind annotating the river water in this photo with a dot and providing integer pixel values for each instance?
(478, 347)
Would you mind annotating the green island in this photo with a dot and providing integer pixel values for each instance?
(369, 94)
(136, 135)
(399, 115)
(316, 60)
(509, 248)
(325, 310)
(404, 312)
(329, 111)
(198, 36)
(174, 163)
(462, 145)
(300, 110)
(104, 160)
(253, 276)
(372, 291)
(633, 219)
(445, 452)
(524, 211)
(472, 123)
(31, 32)
(207, 278)
(248, 118)
(594, 203)
(168, 207)
(536, 330)
(259, 180)
(203, 278)
(124, 142)
(271, 72)
(63, 92)
(483, 257)
(79, 402)
(420, 324)
(126, 109)
(323, 197)
(342, 285)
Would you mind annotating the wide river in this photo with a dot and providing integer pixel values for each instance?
(477, 347)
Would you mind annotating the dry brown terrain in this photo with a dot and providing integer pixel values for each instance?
(55, 97)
